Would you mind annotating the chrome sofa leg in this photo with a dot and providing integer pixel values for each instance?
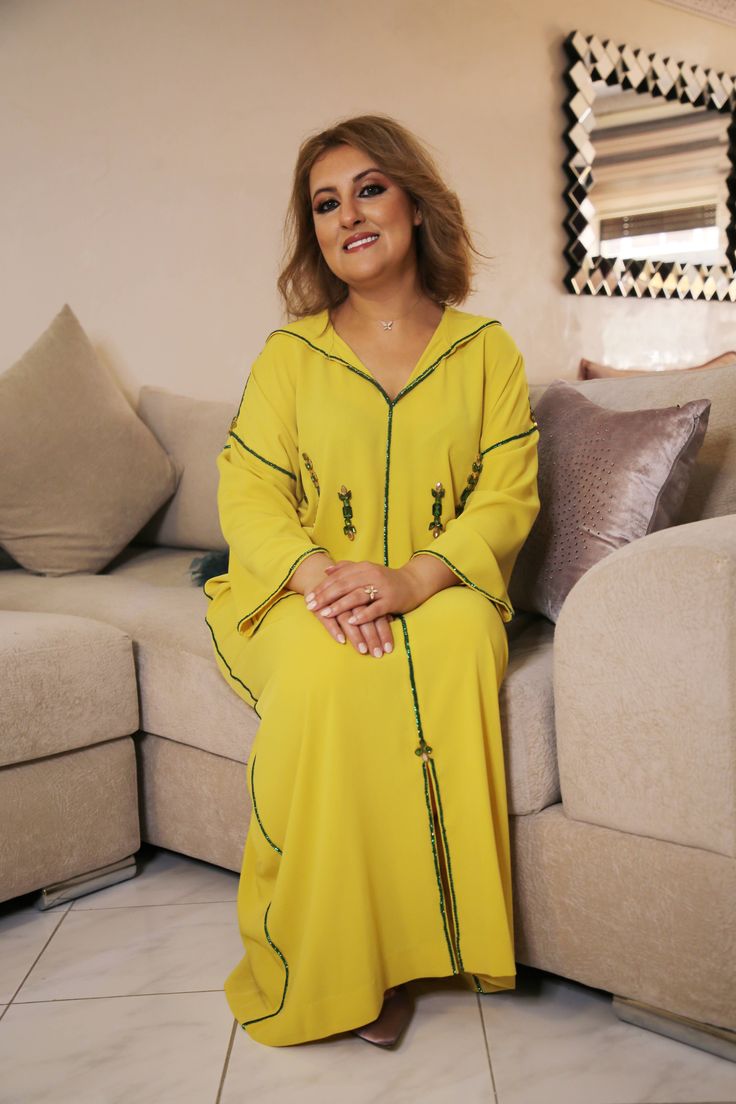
(89, 882)
(705, 1036)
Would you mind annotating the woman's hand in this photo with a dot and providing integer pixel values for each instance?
(374, 637)
(342, 597)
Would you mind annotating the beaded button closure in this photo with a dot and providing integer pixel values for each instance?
(438, 493)
(347, 512)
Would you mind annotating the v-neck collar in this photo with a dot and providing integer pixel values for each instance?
(338, 345)
(454, 329)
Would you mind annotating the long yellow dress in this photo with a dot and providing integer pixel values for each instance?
(346, 887)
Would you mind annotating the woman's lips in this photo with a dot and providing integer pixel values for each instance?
(361, 245)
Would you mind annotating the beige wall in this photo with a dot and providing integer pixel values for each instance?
(148, 147)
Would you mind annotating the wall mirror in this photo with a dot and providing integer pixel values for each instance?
(651, 171)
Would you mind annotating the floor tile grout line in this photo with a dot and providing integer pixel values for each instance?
(119, 996)
(226, 1063)
(35, 962)
(488, 1050)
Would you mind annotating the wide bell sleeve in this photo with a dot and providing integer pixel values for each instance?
(496, 513)
(258, 492)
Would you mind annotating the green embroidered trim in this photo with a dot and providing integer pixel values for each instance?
(438, 874)
(438, 493)
(312, 473)
(347, 512)
(448, 862)
(230, 670)
(263, 458)
(465, 579)
(389, 430)
(255, 809)
(297, 561)
(507, 439)
(286, 979)
(447, 352)
(471, 482)
(424, 750)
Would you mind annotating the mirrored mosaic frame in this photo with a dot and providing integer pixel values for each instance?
(590, 59)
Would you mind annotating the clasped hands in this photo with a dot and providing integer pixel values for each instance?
(345, 609)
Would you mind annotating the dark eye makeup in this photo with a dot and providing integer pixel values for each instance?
(322, 207)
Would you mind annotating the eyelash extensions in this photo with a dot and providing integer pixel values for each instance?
(320, 208)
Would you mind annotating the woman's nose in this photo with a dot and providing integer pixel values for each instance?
(349, 213)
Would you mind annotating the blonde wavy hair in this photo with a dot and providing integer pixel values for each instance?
(443, 244)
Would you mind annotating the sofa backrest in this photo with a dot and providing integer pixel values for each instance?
(712, 490)
(193, 432)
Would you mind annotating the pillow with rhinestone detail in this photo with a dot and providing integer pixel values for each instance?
(606, 477)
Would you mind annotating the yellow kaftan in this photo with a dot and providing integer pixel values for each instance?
(340, 895)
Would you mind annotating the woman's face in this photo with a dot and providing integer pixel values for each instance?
(351, 196)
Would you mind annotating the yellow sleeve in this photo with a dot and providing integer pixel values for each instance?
(482, 542)
(258, 491)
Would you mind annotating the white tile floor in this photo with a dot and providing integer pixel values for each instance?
(118, 997)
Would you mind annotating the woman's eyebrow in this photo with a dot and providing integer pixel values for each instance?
(332, 188)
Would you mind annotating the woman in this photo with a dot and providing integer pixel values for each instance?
(377, 483)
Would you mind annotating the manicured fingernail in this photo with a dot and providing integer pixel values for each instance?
(352, 620)
(341, 638)
(311, 605)
(377, 653)
(309, 596)
(388, 646)
(327, 611)
(363, 648)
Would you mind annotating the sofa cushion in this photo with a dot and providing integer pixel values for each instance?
(79, 471)
(712, 490)
(606, 478)
(87, 673)
(182, 694)
(193, 432)
(183, 697)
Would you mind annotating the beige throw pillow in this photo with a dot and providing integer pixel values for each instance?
(606, 477)
(79, 471)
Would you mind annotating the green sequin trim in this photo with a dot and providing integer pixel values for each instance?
(438, 874)
(506, 440)
(270, 463)
(289, 573)
(312, 473)
(347, 512)
(230, 670)
(286, 978)
(424, 751)
(255, 809)
(448, 862)
(438, 493)
(389, 430)
(465, 579)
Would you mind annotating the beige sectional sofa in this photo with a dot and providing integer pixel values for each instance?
(619, 726)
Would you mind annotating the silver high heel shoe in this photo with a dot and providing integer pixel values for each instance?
(394, 1017)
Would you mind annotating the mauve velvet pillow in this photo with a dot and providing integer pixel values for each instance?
(606, 477)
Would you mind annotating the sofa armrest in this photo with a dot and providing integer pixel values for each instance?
(644, 677)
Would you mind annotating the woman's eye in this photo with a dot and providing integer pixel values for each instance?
(322, 207)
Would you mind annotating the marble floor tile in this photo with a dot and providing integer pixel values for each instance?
(441, 1059)
(24, 932)
(165, 878)
(552, 1041)
(137, 950)
(167, 1049)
